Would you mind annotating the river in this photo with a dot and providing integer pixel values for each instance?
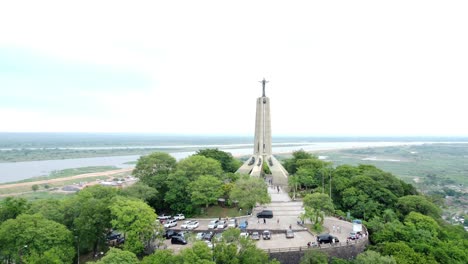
(15, 171)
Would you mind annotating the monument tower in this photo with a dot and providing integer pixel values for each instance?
(262, 151)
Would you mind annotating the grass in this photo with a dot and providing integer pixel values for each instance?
(218, 211)
(41, 195)
(69, 172)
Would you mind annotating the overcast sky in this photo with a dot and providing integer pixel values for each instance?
(192, 67)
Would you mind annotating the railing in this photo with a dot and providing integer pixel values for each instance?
(317, 246)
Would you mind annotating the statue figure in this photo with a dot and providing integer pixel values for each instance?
(263, 84)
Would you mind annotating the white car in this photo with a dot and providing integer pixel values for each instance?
(213, 224)
(170, 223)
(244, 234)
(164, 217)
(185, 224)
(179, 217)
(200, 236)
(222, 224)
(232, 223)
(192, 225)
(209, 244)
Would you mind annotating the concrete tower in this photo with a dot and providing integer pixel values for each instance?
(262, 146)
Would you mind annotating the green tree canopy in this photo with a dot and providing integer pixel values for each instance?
(316, 205)
(115, 255)
(314, 257)
(228, 163)
(11, 207)
(136, 220)
(205, 190)
(197, 165)
(33, 235)
(372, 257)
(417, 203)
(249, 191)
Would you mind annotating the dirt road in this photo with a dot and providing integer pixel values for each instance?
(80, 176)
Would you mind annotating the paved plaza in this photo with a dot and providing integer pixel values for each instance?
(285, 215)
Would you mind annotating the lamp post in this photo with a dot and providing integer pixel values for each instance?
(20, 253)
(77, 239)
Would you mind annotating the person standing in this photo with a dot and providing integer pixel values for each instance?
(264, 220)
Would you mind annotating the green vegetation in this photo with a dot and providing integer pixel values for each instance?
(438, 170)
(404, 226)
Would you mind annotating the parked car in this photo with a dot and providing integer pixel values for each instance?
(266, 235)
(193, 225)
(179, 217)
(352, 235)
(222, 224)
(170, 223)
(244, 234)
(265, 214)
(244, 224)
(113, 235)
(327, 238)
(213, 224)
(208, 236)
(209, 244)
(255, 236)
(170, 233)
(178, 240)
(289, 233)
(164, 217)
(232, 223)
(199, 236)
(185, 224)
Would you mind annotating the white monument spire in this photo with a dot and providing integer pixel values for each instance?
(262, 151)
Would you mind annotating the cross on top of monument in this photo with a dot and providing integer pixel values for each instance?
(263, 84)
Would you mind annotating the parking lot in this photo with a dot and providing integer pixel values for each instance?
(286, 215)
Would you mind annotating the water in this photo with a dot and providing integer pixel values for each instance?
(15, 171)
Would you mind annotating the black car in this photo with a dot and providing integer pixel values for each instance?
(327, 238)
(208, 236)
(170, 233)
(113, 235)
(265, 214)
(178, 240)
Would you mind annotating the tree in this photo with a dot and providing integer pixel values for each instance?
(196, 166)
(231, 235)
(51, 209)
(228, 163)
(11, 207)
(198, 254)
(417, 203)
(35, 236)
(115, 255)
(225, 253)
(35, 187)
(314, 257)
(149, 167)
(153, 170)
(163, 256)
(290, 164)
(188, 170)
(136, 220)
(249, 191)
(141, 191)
(205, 190)
(88, 215)
(371, 257)
(316, 205)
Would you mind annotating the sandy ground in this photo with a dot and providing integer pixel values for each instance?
(80, 176)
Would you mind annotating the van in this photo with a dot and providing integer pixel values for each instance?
(265, 214)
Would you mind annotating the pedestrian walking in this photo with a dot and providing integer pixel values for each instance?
(264, 220)
(290, 227)
(277, 221)
(258, 220)
(308, 244)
